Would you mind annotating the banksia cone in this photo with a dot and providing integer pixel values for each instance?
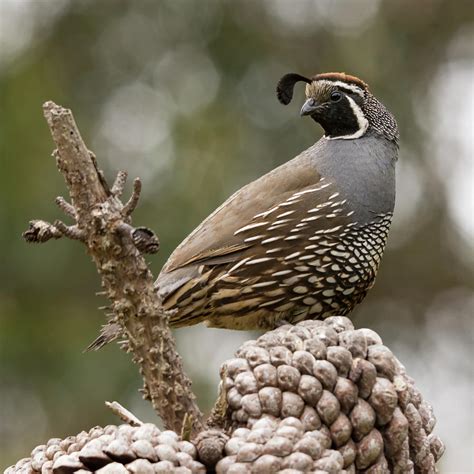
(321, 396)
(114, 450)
(316, 397)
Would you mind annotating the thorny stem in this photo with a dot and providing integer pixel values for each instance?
(128, 283)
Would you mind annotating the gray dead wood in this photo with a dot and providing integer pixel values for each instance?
(103, 223)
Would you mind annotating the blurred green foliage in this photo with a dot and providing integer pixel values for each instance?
(181, 93)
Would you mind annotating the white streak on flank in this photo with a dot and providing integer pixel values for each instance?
(250, 227)
(290, 203)
(334, 229)
(275, 292)
(339, 254)
(302, 268)
(281, 273)
(338, 203)
(281, 221)
(265, 213)
(325, 185)
(292, 280)
(362, 122)
(251, 239)
(293, 255)
(272, 239)
(277, 249)
(306, 191)
(319, 207)
(258, 260)
(298, 226)
(350, 213)
(237, 265)
(293, 237)
(279, 226)
(263, 284)
(292, 199)
(268, 303)
(312, 218)
(332, 196)
(310, 247)
(306, 257)
(330, 216)
(284, 214)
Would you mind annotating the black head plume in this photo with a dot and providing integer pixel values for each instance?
(286, 85)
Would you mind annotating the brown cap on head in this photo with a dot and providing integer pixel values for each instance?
(341, 76)
(287, 83)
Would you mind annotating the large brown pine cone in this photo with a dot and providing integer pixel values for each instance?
(317, 397)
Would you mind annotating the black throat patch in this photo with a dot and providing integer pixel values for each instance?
(338, 120)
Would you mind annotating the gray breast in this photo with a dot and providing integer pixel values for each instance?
(362, 170)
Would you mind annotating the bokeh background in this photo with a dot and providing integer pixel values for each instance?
(181, 93)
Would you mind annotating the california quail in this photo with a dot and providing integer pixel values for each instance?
(305, 240)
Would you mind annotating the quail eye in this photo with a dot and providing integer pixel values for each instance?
(336, 96)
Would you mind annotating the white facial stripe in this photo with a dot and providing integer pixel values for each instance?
(352, 87)
(362, 122)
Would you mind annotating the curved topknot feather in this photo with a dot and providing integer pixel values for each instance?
(286, 85)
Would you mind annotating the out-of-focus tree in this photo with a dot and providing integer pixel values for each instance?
(181, 93)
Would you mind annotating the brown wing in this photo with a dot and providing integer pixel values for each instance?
(217, 235)
(284, 255)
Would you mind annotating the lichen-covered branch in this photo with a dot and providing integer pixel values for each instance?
(103, 223)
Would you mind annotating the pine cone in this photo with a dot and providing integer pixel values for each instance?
(337, 391)
(316, 397)
(114, 450)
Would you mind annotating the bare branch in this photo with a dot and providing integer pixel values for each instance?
(119, 183)
(103, 223)
(71, 231)
(67, 208)
(133, 201)
(74, 161)
(124, 414)
(41, 231)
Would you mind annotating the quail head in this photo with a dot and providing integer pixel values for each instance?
(305, 240)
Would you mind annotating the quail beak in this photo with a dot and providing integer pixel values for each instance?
(309, 107)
